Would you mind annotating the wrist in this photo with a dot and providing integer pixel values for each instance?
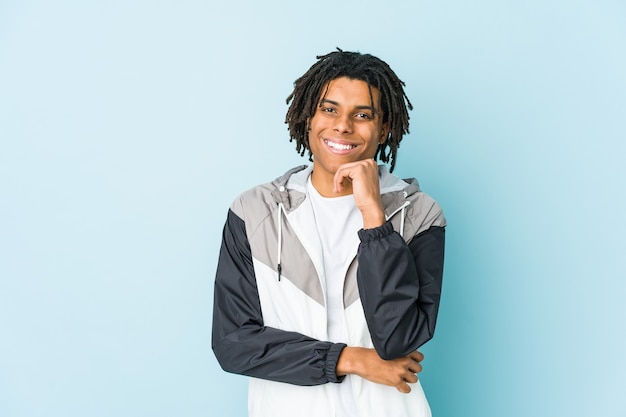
(347, 363)
(373, 218)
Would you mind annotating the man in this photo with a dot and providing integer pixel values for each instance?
(329, 277)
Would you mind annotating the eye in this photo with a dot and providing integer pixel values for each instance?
(326, 109)
(363, 115)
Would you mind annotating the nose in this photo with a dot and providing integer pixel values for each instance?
(343, 124)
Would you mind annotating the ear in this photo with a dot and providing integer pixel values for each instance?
(384, 133)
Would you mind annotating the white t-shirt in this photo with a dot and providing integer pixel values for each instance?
(338, 220)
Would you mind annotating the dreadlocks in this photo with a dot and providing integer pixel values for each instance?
(354, 65)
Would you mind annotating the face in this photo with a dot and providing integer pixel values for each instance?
(346, 127)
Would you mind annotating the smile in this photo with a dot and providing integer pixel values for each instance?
(338, 146)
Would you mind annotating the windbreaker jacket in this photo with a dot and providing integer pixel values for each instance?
(269, 318)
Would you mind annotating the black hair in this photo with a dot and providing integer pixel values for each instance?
(354, 65)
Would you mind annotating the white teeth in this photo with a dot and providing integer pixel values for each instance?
(339, 147)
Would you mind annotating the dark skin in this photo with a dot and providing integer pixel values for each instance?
(344, 134)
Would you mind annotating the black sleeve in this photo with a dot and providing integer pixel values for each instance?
(240, 341)
(400, 287)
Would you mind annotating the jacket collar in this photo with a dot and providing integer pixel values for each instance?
(290, 188)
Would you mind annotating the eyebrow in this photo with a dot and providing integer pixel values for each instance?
(325, 100)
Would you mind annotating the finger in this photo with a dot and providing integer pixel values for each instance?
(410, 378)
(340, 175)
(415, 368)
(416, 356)
(403, 388)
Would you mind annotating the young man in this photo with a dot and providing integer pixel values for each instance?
(329, 277)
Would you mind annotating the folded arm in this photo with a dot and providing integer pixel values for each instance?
(241, 342)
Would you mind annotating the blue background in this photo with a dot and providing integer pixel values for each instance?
(128, 127)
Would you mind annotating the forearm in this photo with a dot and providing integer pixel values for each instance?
(400, 287)
(278, 355)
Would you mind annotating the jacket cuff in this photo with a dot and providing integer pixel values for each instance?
(375, 233)
(331, 362)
